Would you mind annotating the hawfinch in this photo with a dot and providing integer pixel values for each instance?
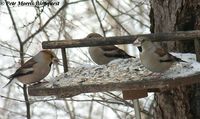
(155, 58)
(104, 54)
(36, 68)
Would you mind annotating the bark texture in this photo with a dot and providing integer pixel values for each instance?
(168, 16)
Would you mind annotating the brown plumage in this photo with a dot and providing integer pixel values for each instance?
(155, 58)
(36, 68)
(104, 54)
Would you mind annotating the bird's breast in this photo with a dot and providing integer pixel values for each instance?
(152, 62)
(40, 72)
(97, 55)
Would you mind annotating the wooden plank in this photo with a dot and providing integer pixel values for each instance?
(134, 94)
(181, 35)
(46, 89)
(64, 59)
(197, 48)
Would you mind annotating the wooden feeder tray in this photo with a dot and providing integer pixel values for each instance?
(127, 75)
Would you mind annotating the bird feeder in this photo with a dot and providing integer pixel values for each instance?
(126, 75)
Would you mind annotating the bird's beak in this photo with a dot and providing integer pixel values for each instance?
(137, 43)
(56, 61)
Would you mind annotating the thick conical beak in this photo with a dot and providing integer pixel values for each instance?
(55, 60)
(137, 42)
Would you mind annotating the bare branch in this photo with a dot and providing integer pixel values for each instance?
(126, 13)
(113, 17)
(22, 61)
(13, 22)
(13, 112)
(101, 25)
(48, 21)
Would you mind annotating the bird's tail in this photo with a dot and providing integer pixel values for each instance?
(172, 58)
(11, 79)
(129, 56)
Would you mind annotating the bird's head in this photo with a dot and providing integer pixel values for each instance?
(51, 56)
(143, 42)
(94, 35)
(146, 44)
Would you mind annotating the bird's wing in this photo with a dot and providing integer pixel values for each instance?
(108, 48)
(166, 57)
(26, 68)
(29, 63)
(161, 52)
(113, 51)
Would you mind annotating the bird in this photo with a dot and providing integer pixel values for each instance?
(155, 58)
(104, 54)
(36, 68)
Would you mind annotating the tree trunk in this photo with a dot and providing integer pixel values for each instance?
(168, 16)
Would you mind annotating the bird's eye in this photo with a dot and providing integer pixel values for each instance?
(55, 60)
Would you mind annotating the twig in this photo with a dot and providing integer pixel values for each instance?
(126, 13)
(53, 99)
(27, 101)
(13, 22)
(22, 61)
(48, 21)
(10, 111)
(101, 25)
(113, 17)
(12, 98)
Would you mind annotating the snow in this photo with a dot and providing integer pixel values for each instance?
(117, 70)
(129, 69)
(122, 70)
(126, 69)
